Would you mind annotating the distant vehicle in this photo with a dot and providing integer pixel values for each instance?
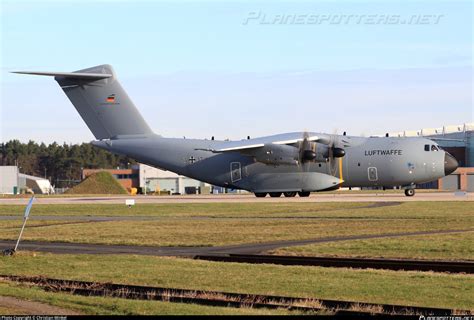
(289, 163)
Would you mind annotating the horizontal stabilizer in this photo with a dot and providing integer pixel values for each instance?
(72, 75)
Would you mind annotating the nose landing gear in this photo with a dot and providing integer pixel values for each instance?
(409, 192)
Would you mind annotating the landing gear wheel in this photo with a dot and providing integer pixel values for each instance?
(409, 192)
(289, 194)
(260, 194)
(304, 193)
(275, 194)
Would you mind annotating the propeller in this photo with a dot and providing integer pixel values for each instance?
(334, 152)
(307, 149)
(307, 152)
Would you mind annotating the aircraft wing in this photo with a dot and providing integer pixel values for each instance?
(446, 139)
(280, 139)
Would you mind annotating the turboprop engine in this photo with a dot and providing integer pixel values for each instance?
(277, 154)
(280, 154)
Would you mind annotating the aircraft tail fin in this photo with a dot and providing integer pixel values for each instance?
(101, 102)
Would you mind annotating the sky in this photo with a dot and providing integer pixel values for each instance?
(233, 69)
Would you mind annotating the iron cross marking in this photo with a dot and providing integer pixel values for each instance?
(192, 159)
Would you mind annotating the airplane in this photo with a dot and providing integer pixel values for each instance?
(288, 163)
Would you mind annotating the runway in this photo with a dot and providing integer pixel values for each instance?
(250, 248)
(250, 198)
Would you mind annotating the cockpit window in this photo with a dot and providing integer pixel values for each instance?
(427, 147)
(433, 148)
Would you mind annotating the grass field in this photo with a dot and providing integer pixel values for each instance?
(330, 210)
(233, 223)
(377, 286)
(215, 224)
(116, 306)
(184, 209)
(458, 246)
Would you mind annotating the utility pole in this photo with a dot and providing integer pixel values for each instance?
(4, 155)
(144, 177)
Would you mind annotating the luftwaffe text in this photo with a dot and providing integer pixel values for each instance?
(391, 152)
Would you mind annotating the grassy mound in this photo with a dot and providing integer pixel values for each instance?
(98, 183)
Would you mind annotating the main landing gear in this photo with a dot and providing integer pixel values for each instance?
(409, 192)
(288, 194)
(260, 194)
(304, 193)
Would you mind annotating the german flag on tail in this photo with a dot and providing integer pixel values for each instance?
(111, 98)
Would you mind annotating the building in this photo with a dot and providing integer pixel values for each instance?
(148, 179)
(128, 178)
(157, 180)
(458, 140)
(9, 180)
(14, 182)
(38, 185)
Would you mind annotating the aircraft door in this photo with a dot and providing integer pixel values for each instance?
(372, 172)
(235, 171)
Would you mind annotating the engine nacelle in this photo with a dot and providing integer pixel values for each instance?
(323, 153)
(338, 152)
(277, 154)
(281, 154)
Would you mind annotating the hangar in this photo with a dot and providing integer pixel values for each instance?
(9, 180)
(14, 182)
(157, 180)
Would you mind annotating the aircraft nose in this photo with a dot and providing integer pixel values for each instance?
(450, 164)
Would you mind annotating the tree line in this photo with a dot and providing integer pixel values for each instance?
(61, 164)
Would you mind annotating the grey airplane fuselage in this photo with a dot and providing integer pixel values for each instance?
(288, 162)
(374, 161)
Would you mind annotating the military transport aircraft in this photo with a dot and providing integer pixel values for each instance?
(288, 163)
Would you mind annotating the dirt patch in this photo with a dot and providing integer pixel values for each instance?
(18, 306)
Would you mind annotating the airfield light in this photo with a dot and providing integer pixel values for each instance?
(129, 202)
